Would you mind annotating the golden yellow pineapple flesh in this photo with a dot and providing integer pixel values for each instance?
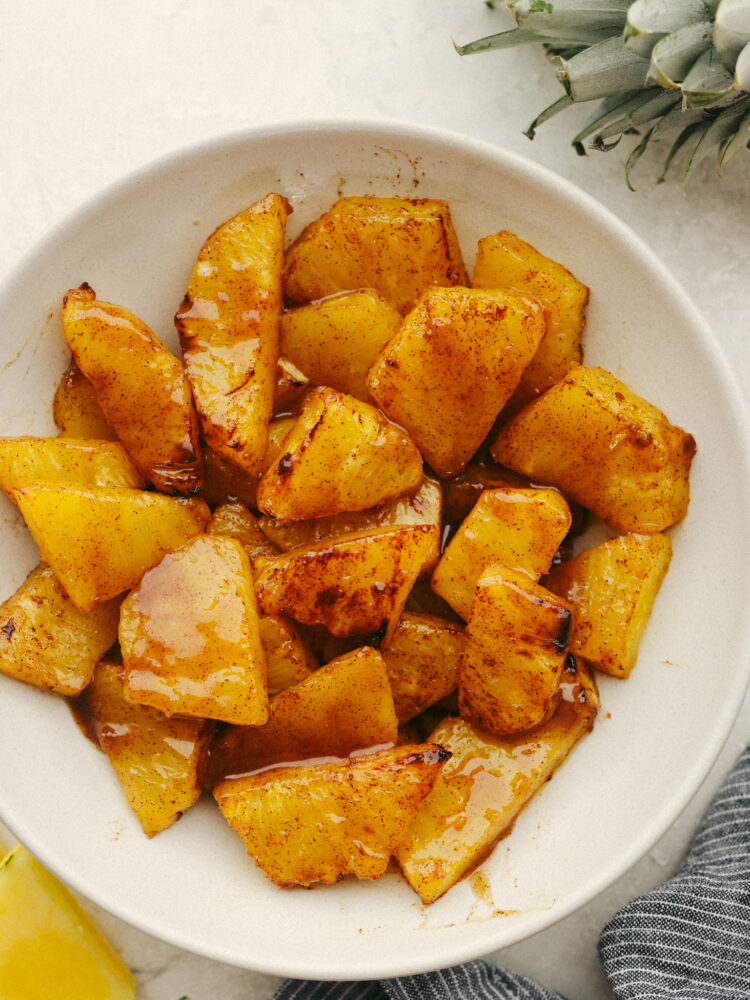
(46, 641)
(516, 640)
(345, 706)
(190, 636)
(517, 528)
(486, 783)
(100, 541)
(49, 947)
(452, 366)
(224, 482)
(422, 662)
(505, 261)
(28, 460)
(352, 585)
(611, 589)
(76, 409)
(341, 455)
(422, 507)
(392, 245)
(156, 759)
(319, 821)
(610, 450)
(141, 387)
(234, 520)
(229, 327)
(335, 341)
(288, 661)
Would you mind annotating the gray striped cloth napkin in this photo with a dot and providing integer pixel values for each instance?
(687, 940)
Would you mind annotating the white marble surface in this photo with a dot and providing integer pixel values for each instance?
(92, 91)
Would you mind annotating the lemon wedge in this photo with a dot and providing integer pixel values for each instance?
(49, 948)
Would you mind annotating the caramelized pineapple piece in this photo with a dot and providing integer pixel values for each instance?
(288, 661)
(76, 410)
(156, 759)
(517, 528)
(319, 821)
(337, 339)
(291, 383)
(484, 786)
(352, 585)
(224, 482)
(27, 460)
(141, 388)
(234, 520)
(46, 641)
(100, 541)
(50, 948)
(611, 589)
(598, 442)
(424, 507)
(229, 327)
(342, 707)
(516, 641)
(394, 246)
(462, 491)
(505, 261)
(341, 455)
(422, 661)
(190, 637)
(452, 366)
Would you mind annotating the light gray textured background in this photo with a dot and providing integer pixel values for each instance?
(91, 91)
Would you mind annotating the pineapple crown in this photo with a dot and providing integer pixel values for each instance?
(676, 70)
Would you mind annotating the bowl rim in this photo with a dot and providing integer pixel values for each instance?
(404, 131)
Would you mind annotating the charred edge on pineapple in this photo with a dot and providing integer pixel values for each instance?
(437, 755)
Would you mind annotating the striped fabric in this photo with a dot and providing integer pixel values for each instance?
(686, 940)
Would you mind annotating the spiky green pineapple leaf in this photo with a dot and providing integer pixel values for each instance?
(675, 54)
(720, 131)
(549, 112)
(741, 138)
(578, 21)
(708, 83)
(503, 40)
(603, 69)
(731, 30)
(648, 21)
(652, 103)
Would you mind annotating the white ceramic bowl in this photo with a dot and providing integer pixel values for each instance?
(658, 733)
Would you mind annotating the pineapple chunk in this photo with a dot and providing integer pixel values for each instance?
(484, 786)
(291, 383)
(49, 947)
(99, 542)
(505, 261)
(355, 584)
(76, 410)
(516, 641)
(229, 327)
(342, 707)
(394, 246)
(234, 520)
(319, 821)
(287, 659)
(341, 455)
(46, 641)
(517, 528)
(156, 759)
(337, 339)
(141, 388)
(424, 507)
(462, 492)
(65, 460)
(422, 661)
(223, 482)
(611, 589)
(610, 450)
(452, 367)
(190, 637)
